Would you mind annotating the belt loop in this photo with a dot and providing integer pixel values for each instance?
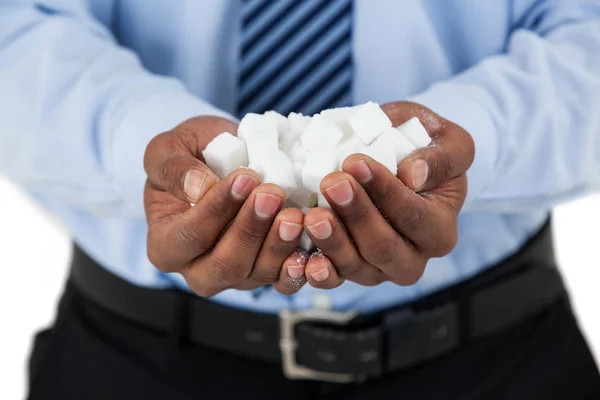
(179, 327)
(464, 314)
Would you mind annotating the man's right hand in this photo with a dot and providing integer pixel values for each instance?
(236, 235)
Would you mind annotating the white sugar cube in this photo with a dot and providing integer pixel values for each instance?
(322, 201)
(286, 136)
(384, 155)
(282, 123)
(317, 166)
(297, 153)
(340, 113)
(258, 152)
(321, 133)
(277, 169)
(340, 117)
(287, 140)
(306, 243)
(261, 136)
(298, 167)
(415, 132)
(260, 145)
(225, 153)
(369, 121)
(401, 145)
(303, 198)
(256, 125)
(347, 147)
(259, 168)
(298, 122)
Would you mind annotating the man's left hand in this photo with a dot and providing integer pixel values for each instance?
(387, 226)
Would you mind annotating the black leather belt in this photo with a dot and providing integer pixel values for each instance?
(343, 347)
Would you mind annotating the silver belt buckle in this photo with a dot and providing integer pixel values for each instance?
(287, 322)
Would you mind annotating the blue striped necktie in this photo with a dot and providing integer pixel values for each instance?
(296, 55)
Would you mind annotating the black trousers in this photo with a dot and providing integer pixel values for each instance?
(91, 354)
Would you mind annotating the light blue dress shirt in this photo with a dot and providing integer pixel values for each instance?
(85, 84)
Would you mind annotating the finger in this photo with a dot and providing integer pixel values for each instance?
(163, 203)
(451, 156)
(281, 241)
(233, 257)
(320, 272)
(378, 243)
(291, 276)
(184, 177)
(428, 221)
(177, 239)
(328, 234)
(187, 139)
(173, 160)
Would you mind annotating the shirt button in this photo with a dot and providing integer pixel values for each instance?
(321, 301)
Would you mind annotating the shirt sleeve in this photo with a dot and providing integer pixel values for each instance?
(77, 110)
(533, 112)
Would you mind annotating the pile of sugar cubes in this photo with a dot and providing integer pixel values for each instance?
(297, 152)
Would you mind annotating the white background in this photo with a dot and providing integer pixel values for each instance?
(34, 252)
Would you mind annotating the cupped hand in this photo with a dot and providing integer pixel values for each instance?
(235, 236)
(387, 227)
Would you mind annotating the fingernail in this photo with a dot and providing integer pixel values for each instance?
(295, 268)
(320, 275)
(419, 171)
(321, 230)
(242, 186)
(295, 271)
(193, 182)
(266, 205)
(289, 231)
(361, 172)
(341, 193)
